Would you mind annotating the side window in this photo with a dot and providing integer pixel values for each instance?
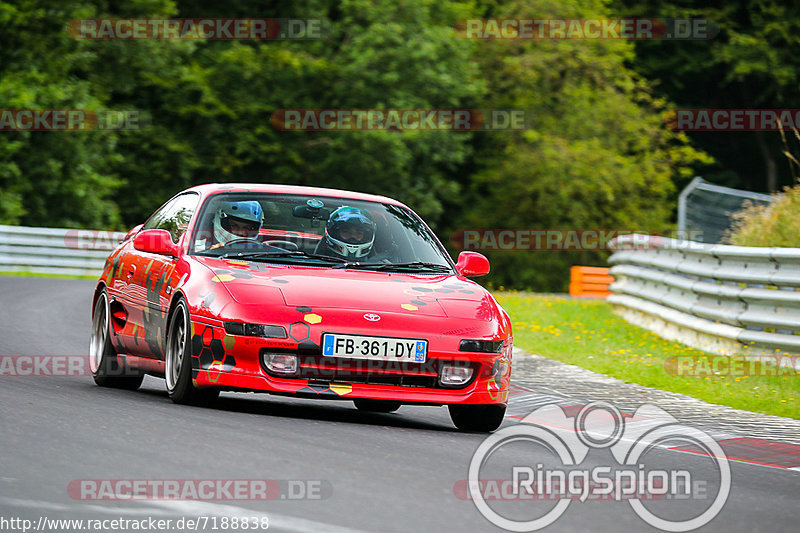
(174, 216)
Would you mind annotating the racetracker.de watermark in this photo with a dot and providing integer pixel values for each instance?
(197, 29)
(70, 120)
(401, 119)
(199, 489)
(733, 119)
(594, 28)
(702, 366)
(88, 239)
(321, 367)
(210, 522)
(44, 366)
(597, 484)
(517, 473)
(60, 366)
(563, 239)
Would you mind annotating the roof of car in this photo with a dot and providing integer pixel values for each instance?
(211, 188)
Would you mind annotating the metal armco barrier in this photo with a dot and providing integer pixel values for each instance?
(589, 282)
(55, 250)
(719, 298)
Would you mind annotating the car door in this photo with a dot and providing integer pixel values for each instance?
(149, 290)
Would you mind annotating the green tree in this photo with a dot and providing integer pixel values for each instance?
(751, 64)
(210, 102)
(51, 178)
(211, 109)
(597, 157)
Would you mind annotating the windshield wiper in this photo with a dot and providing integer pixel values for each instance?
(414, 266)
(285, 253)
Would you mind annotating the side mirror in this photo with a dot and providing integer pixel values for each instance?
(472, 264)
(133, 232)
(155, 241)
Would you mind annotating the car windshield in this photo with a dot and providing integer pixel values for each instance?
(316, 230)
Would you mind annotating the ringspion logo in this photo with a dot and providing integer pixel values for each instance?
(561, 473)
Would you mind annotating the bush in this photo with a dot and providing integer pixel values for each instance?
(776, 224)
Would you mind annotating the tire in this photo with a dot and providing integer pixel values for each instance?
(106, 370)
(376, 406)
(178, 371)
(479, 418)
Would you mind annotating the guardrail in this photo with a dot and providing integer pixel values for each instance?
(718, 298)
(55, 250)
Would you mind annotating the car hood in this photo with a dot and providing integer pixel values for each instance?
(294, 286)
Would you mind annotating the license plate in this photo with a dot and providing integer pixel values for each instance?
(371, 347)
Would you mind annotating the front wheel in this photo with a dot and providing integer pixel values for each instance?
(483, 418)
(106, 371)
(376, 406)
(179, 362)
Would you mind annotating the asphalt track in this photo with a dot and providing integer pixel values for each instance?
(384, 473)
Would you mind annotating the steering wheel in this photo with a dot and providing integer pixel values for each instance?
(286, 245)
(243, 240)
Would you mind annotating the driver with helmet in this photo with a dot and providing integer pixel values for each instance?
(349, 234)
(236, 220)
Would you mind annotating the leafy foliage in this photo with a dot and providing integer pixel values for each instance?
(775, 224)
(49, 178)
(751, 64)
(598, 156)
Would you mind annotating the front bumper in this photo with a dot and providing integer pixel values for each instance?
(233, 362)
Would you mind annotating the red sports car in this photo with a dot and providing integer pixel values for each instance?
(302, 291)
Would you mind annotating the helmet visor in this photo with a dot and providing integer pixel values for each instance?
(239, 226)
(353, 232)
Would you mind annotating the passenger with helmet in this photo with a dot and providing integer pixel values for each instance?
(349, 234)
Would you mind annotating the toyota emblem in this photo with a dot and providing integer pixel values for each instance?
(372, 317)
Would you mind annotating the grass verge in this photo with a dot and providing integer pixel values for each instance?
(588, 334)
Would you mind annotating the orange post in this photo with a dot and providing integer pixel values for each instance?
(589, 282)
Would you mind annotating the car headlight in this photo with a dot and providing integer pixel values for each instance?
(255, 330)
(280, 363)
(480, 346)
(455, 375)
